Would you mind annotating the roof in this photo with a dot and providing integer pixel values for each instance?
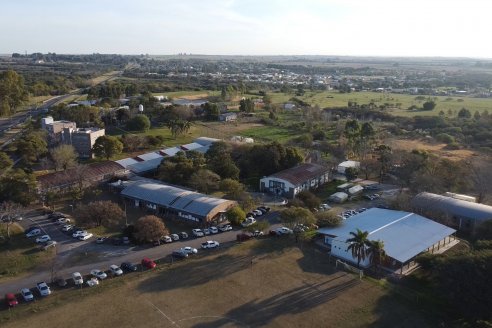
(170, 151)
(349, 164)
(191, 146)
(202, 149)
(205, 141)
(300, 173)
(94, 171)
(339, 195)
(404, 234)
(452, 206)
(173, 197)
(125, 162)
(147, 156)
(145, 166)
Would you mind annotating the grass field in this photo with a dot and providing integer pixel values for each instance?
(265, 283)
(20, 255)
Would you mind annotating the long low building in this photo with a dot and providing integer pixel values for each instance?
(185, 204)
(405, 235)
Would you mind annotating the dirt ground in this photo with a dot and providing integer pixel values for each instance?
(437, 149)
(264, 283)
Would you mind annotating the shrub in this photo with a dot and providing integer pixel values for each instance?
(444, 137)
(328, 219)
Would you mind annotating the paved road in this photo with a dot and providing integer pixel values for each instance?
(111, 254)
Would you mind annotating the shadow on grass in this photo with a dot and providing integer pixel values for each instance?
(297, 300)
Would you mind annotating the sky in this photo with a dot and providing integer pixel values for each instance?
(446, 28)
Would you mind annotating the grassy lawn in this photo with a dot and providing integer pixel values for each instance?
(263, 283)
(20, 254)
(270, 133)
(189, 94)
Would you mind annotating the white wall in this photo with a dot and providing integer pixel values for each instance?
(339, 249)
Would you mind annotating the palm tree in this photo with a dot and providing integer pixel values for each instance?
(358, 245)
(376, 253)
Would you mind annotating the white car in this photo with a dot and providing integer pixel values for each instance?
(77, 278)
(85, 236)
(167, 239)
(189, 250)
(213, 230)
(33, 233)
(174, 236)
(225, 228)
(63, 221)
(43, 288)
(67, 227)
(27, 295)
(99, 274)
(116, 270)
(79, 233)
(92, 282)
(49, 244)
(43, 239)
(284, 231)
(248, 222)
(206, 232)
(210, 244)
(257, 212)
(197, 232)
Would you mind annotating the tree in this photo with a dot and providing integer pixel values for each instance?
(328, 219)
(178, 127)
(351, 173)
(429, 105)
(18, 187)
(100, 213)
(204, 181)
(31, 147)
(8, 211)
(232, 188)
(246, 105)
(376, 253)
(5, 162)
(464, 113)
(235, 215)
(358, 245)
(131, 143)
(64, 157)
(149, 228)
(177, 169)
(107, 147)
(297, 215)
(309, 199)
(139, 123)
(12, 92)
(384, 158)
(219, 161)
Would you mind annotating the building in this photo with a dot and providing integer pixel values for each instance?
(462, 214)
(228, 117)
(205, 141)
(345, 165)
(172, 200)
(405, 235)
(291, 181)
(289, 106)
(80, 177)
(338, 197)
(82, 139)
(55, 129)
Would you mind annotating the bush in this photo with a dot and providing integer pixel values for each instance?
(483, 244)
(444, 137)
(309, 199)
(138, 123)
(429, 105)
(236, 215)
(328, 219)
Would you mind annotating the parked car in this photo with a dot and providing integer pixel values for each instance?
(63, 221)
(27, 295)
(166, 239)
(43, 239)
(125, 241)
(148, 263)
(183, 235)
(248, 221)
(101, 240)
(179, 254)
(189, 250)
(60, 282)
(43, 288)
(99, 274)
(174, 237)
(225, 228)
(49, 244)
(85, 236)
(210, 244)
(324, 207)
(33, 232)
(116, 270)
(213, 229)
(250, 215)
(262, 210)
(11, 300)
(56, 216)
(31, 229)
(92, 282)
(257, 212)
(242, 237)
(127, 266)
(257, 233)
(284, 231)
(206, 231)
(266, 208)
(197, 232)
(67, 227)
(77, 278)
(78, 233)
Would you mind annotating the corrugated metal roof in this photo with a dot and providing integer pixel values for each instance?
(145, 166)
(404, 234)
(149, 156)
(170, 151)
(205, 141)
(300, 173)
(203, 149)
(125, 162)
(173, 197)
(452, 206)
(191, 146)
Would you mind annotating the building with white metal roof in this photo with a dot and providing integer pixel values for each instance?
(149, 156)
(125, 162)
(191, 146)
(405, 235)
(180, 202)
(170, 151)
(145, 166)
(206, 141)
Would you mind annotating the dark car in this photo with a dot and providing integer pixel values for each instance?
(61, 282)
(183, 235)
(179, 254)
(11, 300)
(28, 230)
(55, 216)
(243, 237)
(127, 266)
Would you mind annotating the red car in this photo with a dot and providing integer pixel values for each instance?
(11, 300)
(148, 263)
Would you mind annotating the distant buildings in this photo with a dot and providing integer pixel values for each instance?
(228, 117)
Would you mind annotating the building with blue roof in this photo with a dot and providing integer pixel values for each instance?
(405, 235)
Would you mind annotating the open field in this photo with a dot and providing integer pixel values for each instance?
(190, 95)
(437, 149)
(265, 283)
(20, 255)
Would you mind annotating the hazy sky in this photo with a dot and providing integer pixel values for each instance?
(249, 27)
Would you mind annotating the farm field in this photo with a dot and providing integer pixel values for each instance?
(264, 283)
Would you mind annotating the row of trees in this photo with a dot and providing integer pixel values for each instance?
(13, 92)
